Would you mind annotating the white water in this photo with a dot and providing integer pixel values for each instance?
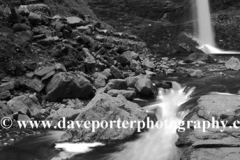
(159, 144)
(205, 30)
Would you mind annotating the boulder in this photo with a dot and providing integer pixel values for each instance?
(44, 71)
(107, 73)
(145, 87)
(74, 21)
(39, 8)
(68, 85)
(5, 95)
(26, 104)
(130, 55)
(35, 19)
(104, 107)
(222, 107)
(18, 27)
(131, 81)
(4, 110)
(119, 84)
(116, 72)
(100, 80)
(68, 113)
(130, 95)
(233, 63)
(35, 84)
(148, 63)
(7, 86)
(136, 66)
(195, 73)
(194, 57)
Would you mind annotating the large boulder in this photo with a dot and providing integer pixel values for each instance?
(222, 107)
(68, 85)
(207, 138)
(104, 108)
(233, 63)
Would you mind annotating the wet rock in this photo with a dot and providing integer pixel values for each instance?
(145, 87)
(68, 85)
(233, 63)
(27, 103)
(116, 72)
(224, 153)
(130, 95)
(110, 109)
(119, 84)
(222, 107)
(199, 57)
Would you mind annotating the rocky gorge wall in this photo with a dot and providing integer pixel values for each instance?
(159, 22)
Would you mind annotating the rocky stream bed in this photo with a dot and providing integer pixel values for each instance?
(79, 67)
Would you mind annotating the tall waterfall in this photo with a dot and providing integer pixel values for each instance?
(205, 30)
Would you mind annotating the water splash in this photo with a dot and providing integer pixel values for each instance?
(159, 143)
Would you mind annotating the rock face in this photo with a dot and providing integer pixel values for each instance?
(68, 85)
(103, 107)
(217, 142)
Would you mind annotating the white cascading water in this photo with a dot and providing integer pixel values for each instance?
(159, 143)
(206, 38)
(205, 30)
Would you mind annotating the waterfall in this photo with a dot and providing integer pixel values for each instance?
(205, 30)
(205, 34)
(159, 143)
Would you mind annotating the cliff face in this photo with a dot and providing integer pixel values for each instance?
(163, 23)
